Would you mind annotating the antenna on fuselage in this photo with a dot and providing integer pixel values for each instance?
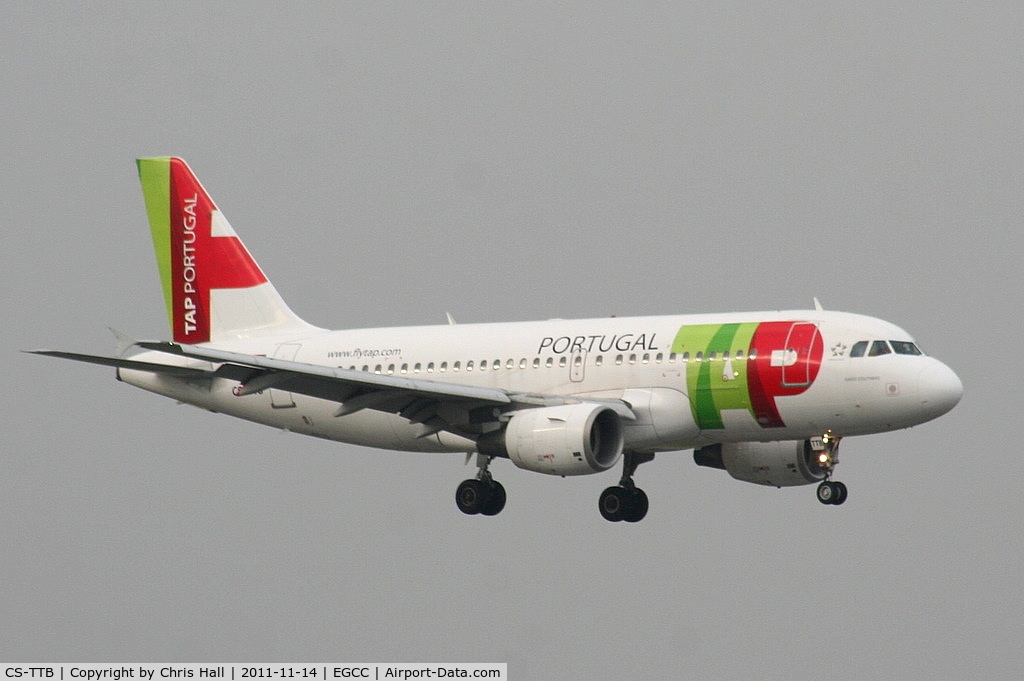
(817, 304)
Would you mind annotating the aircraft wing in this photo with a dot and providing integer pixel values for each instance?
(436, 405)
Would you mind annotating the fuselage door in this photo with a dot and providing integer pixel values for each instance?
(577, 365)
(796, 369)
(281, 399)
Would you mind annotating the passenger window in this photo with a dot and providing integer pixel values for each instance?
(879, 348)
(618, 359)
(905, 348)
(469, 365)
(686, 357)
(456, 366)
(404, 369)
(657, 358)
(496, 364)
(376, 369)
(562, 361)
(416, 369)
(536, 362)
(739, 355)
(391, 369)
(549, 362)
(443, 368)
(510, 364)
(753, 354)
(366, 367)
(671, 358)
(699, 356)
(577, 361)
(632, 359)
(430, 368)
(599, 360)
(712, 356)
(858, 349)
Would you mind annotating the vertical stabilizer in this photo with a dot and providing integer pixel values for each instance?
(213, 289)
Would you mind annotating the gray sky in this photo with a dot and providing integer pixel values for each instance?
(514, 161)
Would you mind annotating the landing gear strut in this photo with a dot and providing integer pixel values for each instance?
(482, 494)
(626, 501)
(830, 492)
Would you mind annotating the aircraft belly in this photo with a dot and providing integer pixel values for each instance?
(189, 391)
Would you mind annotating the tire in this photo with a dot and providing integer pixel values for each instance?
(471, 496)
(637, 508)
(841, 493)
(827, 493)
(495, 501)
(613, 503)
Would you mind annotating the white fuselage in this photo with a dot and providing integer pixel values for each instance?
(689, 383)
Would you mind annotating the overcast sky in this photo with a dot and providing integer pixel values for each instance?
(386, 163)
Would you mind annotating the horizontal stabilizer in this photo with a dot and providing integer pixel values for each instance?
(122, 363)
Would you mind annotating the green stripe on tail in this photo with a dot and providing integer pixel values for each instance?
(155, 176)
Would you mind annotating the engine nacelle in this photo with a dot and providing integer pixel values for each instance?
(778, 464)
(570, 439)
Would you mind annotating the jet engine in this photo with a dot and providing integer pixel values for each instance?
(777, 464)
(570, 439)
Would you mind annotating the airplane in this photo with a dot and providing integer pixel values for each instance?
(765, 396)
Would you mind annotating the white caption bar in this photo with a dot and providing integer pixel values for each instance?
(376, 671)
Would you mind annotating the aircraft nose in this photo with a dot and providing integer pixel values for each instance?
(939, 389)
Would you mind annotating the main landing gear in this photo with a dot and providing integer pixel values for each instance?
(482, 494)
(830, 492)
(625, 501)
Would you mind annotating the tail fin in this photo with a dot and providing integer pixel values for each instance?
(213, 288)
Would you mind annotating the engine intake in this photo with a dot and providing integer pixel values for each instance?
(570, 439)
(778, 464)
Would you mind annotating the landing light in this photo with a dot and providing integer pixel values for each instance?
(823, 457)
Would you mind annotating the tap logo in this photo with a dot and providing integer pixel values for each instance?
(747, 367)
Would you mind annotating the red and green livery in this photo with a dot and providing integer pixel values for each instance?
(197, 251)
(747, 366)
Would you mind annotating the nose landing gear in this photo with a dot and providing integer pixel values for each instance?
(832, 492)
(826, 448)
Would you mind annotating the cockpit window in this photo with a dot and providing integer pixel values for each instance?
(879, 348)
(904, 348)
(858, 349)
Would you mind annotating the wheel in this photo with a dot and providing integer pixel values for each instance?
(841, 493)
(471, 496)
(637, 507)
(827, 493)
(613, 503)
(495, 500)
